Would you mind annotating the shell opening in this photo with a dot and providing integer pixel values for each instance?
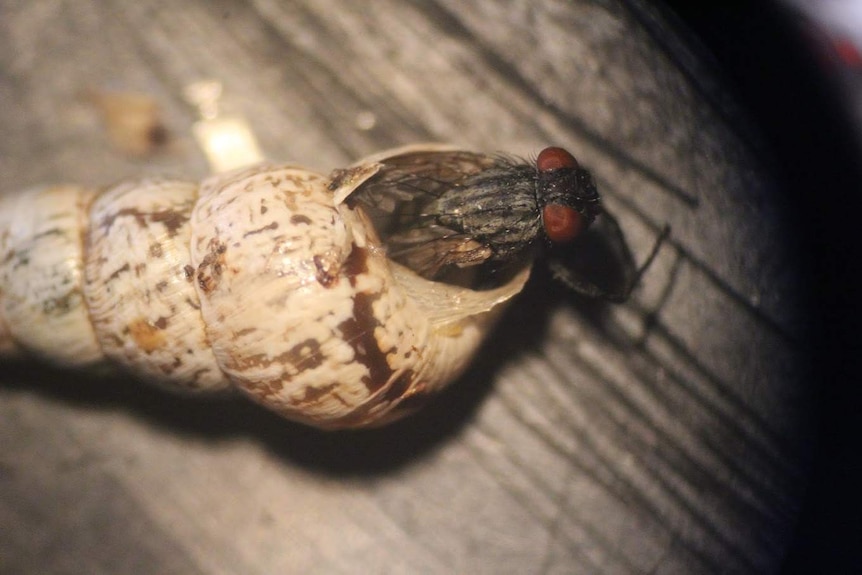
(411, 235)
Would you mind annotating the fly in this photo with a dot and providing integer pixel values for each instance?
(471, 218)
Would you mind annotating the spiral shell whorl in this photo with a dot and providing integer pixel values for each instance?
(41, 274)
(273, 235)
(139, 283)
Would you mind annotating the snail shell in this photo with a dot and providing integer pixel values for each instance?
(263, 278)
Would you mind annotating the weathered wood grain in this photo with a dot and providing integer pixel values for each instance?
(664, 436)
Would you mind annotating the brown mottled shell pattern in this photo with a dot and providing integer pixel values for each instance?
(261, 278)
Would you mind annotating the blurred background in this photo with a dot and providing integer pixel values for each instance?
(833, 29)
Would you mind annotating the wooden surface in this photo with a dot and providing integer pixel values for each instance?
(665, 436)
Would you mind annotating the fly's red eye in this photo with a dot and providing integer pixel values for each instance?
(562, 223)
(554, 159)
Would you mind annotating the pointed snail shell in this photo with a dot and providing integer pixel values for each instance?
(261, 278)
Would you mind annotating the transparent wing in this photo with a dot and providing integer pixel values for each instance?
(401, 202)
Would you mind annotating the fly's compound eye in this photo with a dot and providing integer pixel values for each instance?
(554, 159)
(562, 223)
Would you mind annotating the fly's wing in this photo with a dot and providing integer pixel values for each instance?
(429, 251)
(402, 199)
(412, 180)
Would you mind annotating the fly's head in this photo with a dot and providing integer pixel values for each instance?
(569, 203)
(566, 196)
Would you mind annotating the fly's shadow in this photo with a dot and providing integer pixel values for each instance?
(599, 263)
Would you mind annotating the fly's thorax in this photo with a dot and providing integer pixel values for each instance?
(497, 208)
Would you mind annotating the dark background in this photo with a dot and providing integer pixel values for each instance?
(774, 61)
